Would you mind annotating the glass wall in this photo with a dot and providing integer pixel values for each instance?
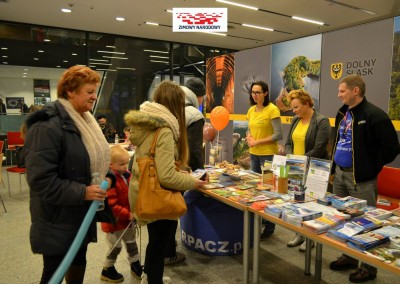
(130, 67)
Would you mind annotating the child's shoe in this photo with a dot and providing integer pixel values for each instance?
(110, 274)
(136, 269)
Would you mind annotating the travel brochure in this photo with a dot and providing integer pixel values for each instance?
(318, 178)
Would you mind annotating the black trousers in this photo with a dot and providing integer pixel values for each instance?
(160, 233)
(75, 273)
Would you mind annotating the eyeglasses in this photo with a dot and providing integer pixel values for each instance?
(257, 93)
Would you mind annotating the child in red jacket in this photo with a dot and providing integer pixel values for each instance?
(119, 203)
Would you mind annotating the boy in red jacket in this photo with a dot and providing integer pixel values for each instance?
(119, 203)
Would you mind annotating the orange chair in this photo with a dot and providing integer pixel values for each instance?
(14, 140)
(19, 171)
(389, 187)
(1, 179)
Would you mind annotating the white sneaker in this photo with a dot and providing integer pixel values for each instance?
(303, 246)
(166, 280)
(144, 279)
(297, 240)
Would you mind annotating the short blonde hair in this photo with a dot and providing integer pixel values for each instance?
(302, 96)
(117, 152)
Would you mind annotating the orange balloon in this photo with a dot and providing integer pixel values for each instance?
(219, 117)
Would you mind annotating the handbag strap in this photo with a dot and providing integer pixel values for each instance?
(152, 151)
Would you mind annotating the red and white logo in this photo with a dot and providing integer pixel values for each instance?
(200, 19)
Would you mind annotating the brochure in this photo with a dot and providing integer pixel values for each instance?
(318, 178)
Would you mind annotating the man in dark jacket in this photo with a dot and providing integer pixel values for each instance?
(107, 128)
(365, 141)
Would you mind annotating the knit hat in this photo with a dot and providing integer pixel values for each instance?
(197, 86)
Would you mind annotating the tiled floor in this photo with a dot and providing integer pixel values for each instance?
(278, 263)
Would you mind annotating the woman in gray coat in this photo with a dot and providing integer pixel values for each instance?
(308, 135)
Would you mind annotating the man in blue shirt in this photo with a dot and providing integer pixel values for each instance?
(365, 141)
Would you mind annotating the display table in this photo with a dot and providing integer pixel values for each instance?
(211, 227)
(320, 240)
(245, 229)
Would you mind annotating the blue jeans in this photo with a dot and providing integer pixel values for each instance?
(256, 162)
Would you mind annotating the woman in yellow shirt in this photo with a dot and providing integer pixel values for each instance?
(308, 135)
(264, 132)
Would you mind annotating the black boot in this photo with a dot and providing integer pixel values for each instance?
(136, 269)
(110, 274)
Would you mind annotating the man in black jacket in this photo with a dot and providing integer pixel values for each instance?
(365, 141)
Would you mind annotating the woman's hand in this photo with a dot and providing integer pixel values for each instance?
(199, 183)
(94, 192)
(251, 141)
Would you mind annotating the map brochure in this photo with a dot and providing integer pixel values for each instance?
(297, 165)
(318, 178)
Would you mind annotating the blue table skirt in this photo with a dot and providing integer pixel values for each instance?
(211, 227)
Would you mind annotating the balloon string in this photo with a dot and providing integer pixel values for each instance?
(218, 147)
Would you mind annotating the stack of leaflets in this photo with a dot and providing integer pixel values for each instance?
(385, 253)
(275, 209)
(327, 221)
(379, 213)
(296, 215)
(348, 202)
(373, 238)
(351, 228)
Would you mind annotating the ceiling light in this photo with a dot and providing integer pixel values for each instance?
(40, 51)
(92, 59)
(159, 61)
(4, 62)
(25, 69)
(120, 19)
(24, 76)
(46, 40)
(112, 70)
(258, 27)
(151, 23)
(4, 48)
(220, 34)
(74, 54)
(110, 46)
(307, 20)
(156, 56)
(58, 66)
(66, 10)
(4, 56)
(99, 63)
(35, 58)
(115, 57)
(351, 7)
(238, 4)
(65, 61)
(113, 52)
(156, 51)
(126, 68)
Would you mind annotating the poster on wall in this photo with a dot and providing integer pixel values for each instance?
(250, 66)
(220, 82)
(41, 91)
(295, 65)
(343, 55)
(241, 154)
(394, 100)
(15, 102)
